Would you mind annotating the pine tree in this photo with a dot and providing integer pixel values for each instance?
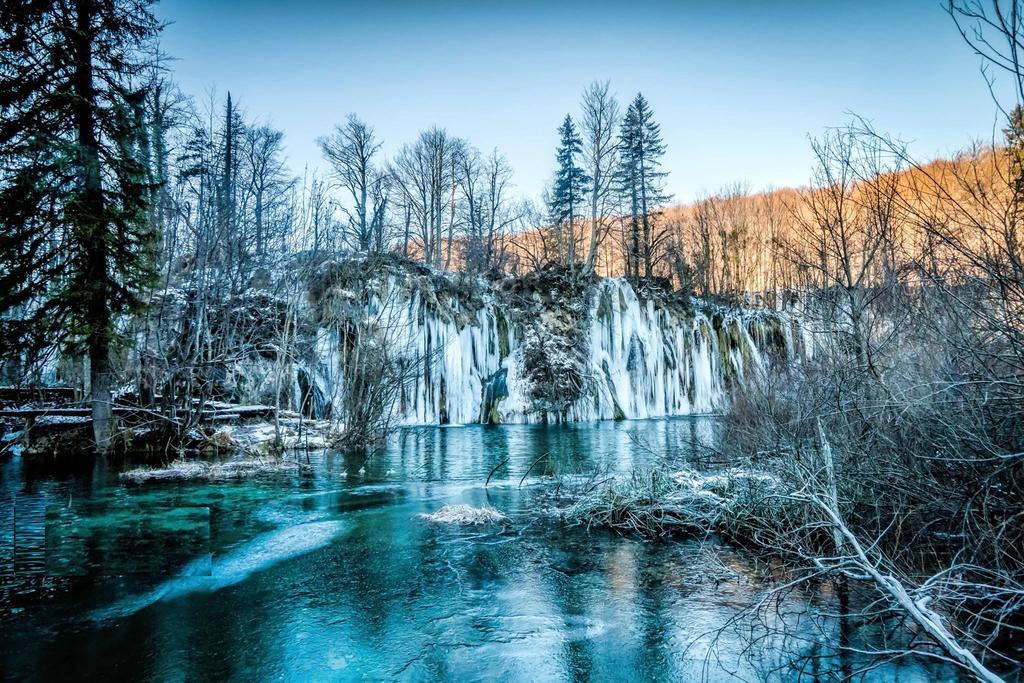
(569, 190)
(231, 255)
(77, 248)
(641, 184)
(225, 207)
(1014, 133)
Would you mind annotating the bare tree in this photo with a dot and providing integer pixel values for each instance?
(846, 228)
(268, 182)
(351, 150)
(599, 123)
(901, 436)
(425, 173)
(488, 209)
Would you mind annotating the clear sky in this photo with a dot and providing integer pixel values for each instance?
(736, 85)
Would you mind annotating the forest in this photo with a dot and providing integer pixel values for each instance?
(179, 302)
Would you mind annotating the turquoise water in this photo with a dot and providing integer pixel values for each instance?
(329, 574)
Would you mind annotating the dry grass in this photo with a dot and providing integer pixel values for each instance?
(197, 470)
(658, 503)
(465, 515)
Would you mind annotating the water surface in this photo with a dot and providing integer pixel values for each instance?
(330, 574)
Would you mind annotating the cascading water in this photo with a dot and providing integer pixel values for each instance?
(650, 361)
(456, 351)
(644, 359)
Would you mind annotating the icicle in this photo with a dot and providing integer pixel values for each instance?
(644, 360)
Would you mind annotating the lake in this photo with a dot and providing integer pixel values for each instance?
(330, 574)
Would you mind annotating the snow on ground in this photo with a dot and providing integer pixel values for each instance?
(260, 437)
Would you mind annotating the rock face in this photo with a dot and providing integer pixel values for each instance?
(544, 351)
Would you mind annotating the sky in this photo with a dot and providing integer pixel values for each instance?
(737, 86)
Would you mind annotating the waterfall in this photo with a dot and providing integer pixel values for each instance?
(644, 359)
(649, 361)
(456, 350)
(653, 361)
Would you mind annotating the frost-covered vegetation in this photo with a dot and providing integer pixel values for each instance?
(552, 308)
(197, 470)
(658, 503)
(464, 515)
(893, 446)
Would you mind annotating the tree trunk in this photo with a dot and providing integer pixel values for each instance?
(260, 240)
(90, 229)
(642, 163)
(592, 251)
(364, 233)
(233, 255)
(100, 396)
(634, 228)
(405, 236)
(571, 244)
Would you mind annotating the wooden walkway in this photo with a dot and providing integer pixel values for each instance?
(220, 413)
(38, 411)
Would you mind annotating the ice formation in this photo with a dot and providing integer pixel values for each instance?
(644, 359)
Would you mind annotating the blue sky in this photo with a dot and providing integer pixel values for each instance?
(737, 86)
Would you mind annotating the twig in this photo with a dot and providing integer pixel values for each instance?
(530, 468)
(495, 469)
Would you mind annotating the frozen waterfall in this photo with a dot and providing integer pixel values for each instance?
(644, 359)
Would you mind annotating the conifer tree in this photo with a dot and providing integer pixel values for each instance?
(569, 190)
(1014, 133)
(641, 185)
(77, 248)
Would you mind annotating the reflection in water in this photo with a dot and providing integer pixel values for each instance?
(233, 567)
(329, 575)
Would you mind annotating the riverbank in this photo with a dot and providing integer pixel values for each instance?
(791, 517)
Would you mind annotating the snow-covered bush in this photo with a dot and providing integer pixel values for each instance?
(465, 515)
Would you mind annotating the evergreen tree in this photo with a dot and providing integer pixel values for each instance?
(77, 248)
(226, 203)
(233, 256)
(569, 190)
(641, 184)
(1014, 133)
